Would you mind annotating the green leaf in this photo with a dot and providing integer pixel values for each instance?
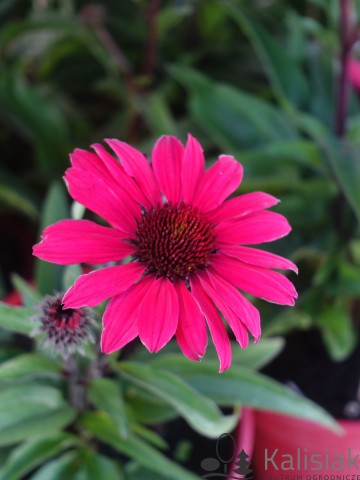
(345, 162)
(103, 428)
(61, 468)
(16, 319)
(244, 386)
(135, 471)
(13, 195)
(28, 365)
(105, 394)
(77, 210)
(34, 452)
(37, 426)
(257, 355)
(28, 410)
(19, 402)
(284, 72)
(158, 115)
(95, 466)
(201, 413)
(29, 295)
(288, 321)
(48, 276)
(280, 154)
(254, 357)
(37, 119)
(149, 412)
(70, 275)
(338, 332)
(149, 435)
(346, 283)
(234, 118)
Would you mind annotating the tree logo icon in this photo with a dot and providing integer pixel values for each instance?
(243, 465)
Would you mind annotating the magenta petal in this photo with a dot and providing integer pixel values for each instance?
(76, 241)
(220, 181)
(109, 170)
(231, 316)
(193, 168)
(99, 196)
(120, 320)
(217, 330)
(227, 296)
(261, 282)
(137, 166)
(119, 175)
(82, 159)
(158, 314)
(243, 205)
(259, 258)
(191, 332)
(92, 288)
(121, 329)
(167, 157)
(260, 227)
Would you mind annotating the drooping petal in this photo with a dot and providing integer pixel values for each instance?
(242, 206)
(81, 241)
(261, 282)
(259, 227)
(193, 168)
(228, 313)
(120, 320)
(215, 324)
(137, 166)
(119, 175)
(158, 314)
(94, 287)
(220, 181)
(259, 258)
(82, 159)
(99, 196)
(191, 332)
(106, 167)
(233, 299)
(167, 157)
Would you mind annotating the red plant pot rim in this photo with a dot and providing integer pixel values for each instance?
(280, 444)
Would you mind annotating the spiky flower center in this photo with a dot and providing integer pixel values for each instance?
(174, 240)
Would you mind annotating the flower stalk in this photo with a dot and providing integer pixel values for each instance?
(347, 39)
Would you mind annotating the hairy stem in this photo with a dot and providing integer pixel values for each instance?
(76, 387)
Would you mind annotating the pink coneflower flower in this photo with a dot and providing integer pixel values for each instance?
(183, 237)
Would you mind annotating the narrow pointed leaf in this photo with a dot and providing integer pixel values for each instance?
(16, 319)
(242, 385)
(34, 452)
(106, 395)
(48, 276)
(103, 428)
(201, 412)
(28, 365)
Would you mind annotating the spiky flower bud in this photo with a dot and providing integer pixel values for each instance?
(66, 330)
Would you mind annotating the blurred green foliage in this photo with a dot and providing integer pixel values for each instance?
(255, 79)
